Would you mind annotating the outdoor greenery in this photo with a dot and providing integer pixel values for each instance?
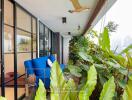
(62, 89)
(84, 53)
(94, 72)
(112, 26)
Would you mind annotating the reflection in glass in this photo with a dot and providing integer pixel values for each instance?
(41, 30)
(8, 39)
(9, 66)
(23, 41)
(34, 43)
(8, 12)
(46, 39)
(20, 91)
(34, 54)
(23, 20)
(34, 21)
(9, 93)
(21, 57)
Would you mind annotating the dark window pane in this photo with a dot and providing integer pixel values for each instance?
(46, 39)
(41, 29)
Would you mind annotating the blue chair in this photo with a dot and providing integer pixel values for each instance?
(40, 68)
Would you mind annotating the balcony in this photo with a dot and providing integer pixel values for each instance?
(32, 30)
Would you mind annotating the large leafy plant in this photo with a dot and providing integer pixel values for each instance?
(105, 60)
(62, 89)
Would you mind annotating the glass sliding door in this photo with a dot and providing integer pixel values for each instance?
(41, 40)
(9, 49)
(24, 50)
(0, 47)
(17, 44)
(44, 40)
(34, 37)
(26, 44)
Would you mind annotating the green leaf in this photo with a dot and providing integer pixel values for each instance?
(104, 40)
(126, 49)
(58, 84)
(86, 57)
(130, 75)
(75, 70)
(102, 79)
(114, 65)
(41, 92)
(100, 66)
(122, 83)
(88, 88)
(2, 98)
(123, 70)
(108, 90)
(124, 96)
(73, 89)
(129, 60)
(129, 90)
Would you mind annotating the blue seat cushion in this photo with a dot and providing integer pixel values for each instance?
(39, 65)
(29, 67)
(52, 58)
(62, 66)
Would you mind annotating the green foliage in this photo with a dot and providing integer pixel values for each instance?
(85, 57)
(73, 95)
(104, 40)
(2, 98)
(58, 84)
(77, 44)
(74, 70)
(106, 62)
(41, 92)
(126, 49)
(127, 95)
(112, 26)
(108, 90)
(88, 88)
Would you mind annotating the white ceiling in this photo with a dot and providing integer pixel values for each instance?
(51, 12)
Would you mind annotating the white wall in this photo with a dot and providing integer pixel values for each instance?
(66, 49)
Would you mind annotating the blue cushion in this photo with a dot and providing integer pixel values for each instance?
(39, 64)
(52, 58)
(62, 67)
(29, 67)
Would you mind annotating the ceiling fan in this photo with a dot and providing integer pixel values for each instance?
(77, 7)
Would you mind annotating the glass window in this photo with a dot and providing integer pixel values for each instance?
(23, 41)
(20, 62)
(46, 39)
(34, 21)
(8, 12)
(34, 54)
(8, 39)
(23, 20)
(34, 42)
(41, 29)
